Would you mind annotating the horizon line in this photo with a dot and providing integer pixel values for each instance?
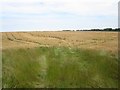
(53, 30)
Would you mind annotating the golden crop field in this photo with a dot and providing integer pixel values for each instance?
(61, 59)
(88, 40)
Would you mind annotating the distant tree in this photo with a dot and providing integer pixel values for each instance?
(95, 30)
(66, 30)
(116, 29)
(108, 29)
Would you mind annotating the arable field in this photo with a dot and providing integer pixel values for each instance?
(60, 59)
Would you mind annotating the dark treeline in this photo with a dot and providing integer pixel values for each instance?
(106, 29)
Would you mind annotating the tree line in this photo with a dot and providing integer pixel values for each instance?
(106, 29)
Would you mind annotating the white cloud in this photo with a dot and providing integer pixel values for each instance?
(83, 13)
(80, 7)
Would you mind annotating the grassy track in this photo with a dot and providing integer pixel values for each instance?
(59, 67)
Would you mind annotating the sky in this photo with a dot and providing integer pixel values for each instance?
(35, 15)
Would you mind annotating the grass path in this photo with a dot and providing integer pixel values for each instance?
(59, 67)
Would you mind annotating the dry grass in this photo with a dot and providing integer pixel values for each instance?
(89, 40)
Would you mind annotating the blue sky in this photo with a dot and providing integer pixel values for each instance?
(33, 15)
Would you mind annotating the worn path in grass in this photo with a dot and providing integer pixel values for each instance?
(59, 67)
